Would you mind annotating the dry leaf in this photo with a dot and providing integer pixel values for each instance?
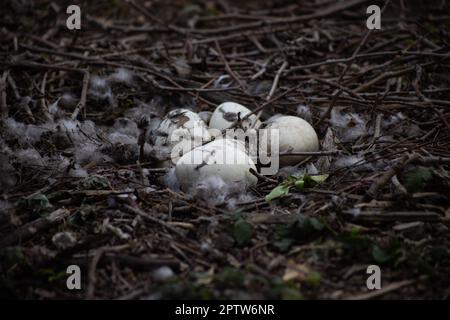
(295, 271)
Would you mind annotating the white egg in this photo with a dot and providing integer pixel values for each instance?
(179, 132)
(295, 135)
(224, 158)
(228, 112)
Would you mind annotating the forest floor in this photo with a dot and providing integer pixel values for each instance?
(79, 188)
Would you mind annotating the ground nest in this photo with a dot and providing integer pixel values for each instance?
(80, 184)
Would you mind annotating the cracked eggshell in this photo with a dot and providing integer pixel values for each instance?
(295, 135)
(228, 112)
(225, 158)
(181, 129)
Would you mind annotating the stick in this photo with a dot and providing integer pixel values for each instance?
(344, 72)
(32, 228)
(432, 160)
(91, 275)
(153, 219)
(277, 79)
(333, 9)
(228, 68)
(377, 216)
(3, 105)
(376, 293)
(387, 176)
(82, 104)
(44, 108)
(312, 153)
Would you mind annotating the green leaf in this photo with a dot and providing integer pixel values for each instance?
(278, 191)
(302, 229)
(94, 182)
(230, 277)
(380, 255)
(417, 179)
(308, 181)
(354, 243)
(291, 294)
(316, 224)
(300, 183)
(36, 202)
(305, 181)
(242, 232)
(313, 278)
(319, 178)
(283, 244)
(390, 252)
(307, 225)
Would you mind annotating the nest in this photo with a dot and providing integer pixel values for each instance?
(80, 186)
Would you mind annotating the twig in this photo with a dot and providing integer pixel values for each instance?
(82, 104)
(13, 86)
(261, 177)
(145, 12)
(28, 64)
(432, 160)
(333, 9)
(401, 189)
(32, 228)
(276, 80)
(386, 289)
(44, 108)
(378, 216)
(3, 105)
(228, 68)
(347, 67)
(312, 153)
(154, 219)
(92, 279)
(386, 177)
(99, 254)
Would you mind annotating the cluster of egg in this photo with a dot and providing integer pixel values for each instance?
(188, 144)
